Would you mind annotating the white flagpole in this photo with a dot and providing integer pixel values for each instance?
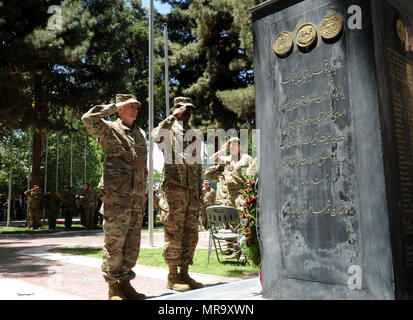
(45, 171)
(10, 178)
(165, 28)
(150, 189)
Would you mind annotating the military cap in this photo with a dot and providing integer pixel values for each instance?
(183, 101)
(123, 99)
(36, 186)
(233, 139)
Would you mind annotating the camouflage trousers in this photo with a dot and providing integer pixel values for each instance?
(181, 236)
(35, 219)
(122, 229)
(89, 215)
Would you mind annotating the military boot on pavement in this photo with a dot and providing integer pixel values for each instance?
(115, 292)
(188, 280)
(129, 292)
(175, 281)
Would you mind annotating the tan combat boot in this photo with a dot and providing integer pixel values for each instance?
(115, 292)
(188, 280)
(175, 281)
(129, 292)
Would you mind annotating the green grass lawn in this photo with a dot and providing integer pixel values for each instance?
(44, 229)
(153, 257)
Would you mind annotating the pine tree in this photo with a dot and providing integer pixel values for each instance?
(212, 58)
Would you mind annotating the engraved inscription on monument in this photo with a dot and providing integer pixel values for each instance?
(317, 180)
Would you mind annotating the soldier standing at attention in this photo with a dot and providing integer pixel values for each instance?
(69, 207)
(181, 191)
(208, 199)
(89, 203)
(34, 195)
(122, 187)
(51, 202)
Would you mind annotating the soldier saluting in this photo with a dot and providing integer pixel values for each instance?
(181, 193)
(123, 187)
(35, 196)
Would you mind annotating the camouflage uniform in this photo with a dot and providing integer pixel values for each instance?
(35, 208)
(230, 180)
(122, 187)
(51, 202)
(89, 204)
(69, 208)
(208, 199)
(181, 190)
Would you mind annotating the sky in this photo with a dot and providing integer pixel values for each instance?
(162, 8)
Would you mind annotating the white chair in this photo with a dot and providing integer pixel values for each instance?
(216, 216)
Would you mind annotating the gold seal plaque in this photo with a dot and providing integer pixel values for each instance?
(306, 35)
(401, 31)
(331, 26)
(283, 43)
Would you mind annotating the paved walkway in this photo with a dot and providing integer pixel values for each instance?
(28, 270)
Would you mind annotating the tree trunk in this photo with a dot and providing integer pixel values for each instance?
(40, 106)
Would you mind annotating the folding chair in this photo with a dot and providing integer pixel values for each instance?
(216, 216)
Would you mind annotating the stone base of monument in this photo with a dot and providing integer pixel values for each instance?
(334, 105)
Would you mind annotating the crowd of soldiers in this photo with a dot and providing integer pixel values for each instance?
(67, 204)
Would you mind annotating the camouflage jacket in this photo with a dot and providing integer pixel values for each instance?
(208, 197)
(34, 202)
(124, 168)
(230, 179)
(51, 202)
(184, 176)
(69, 202)
(89, 198)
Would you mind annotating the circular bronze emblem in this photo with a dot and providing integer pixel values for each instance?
(283, 43)
(306, 35)
(401, 31)
(331, 26)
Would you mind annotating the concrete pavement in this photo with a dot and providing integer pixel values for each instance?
(28, 270)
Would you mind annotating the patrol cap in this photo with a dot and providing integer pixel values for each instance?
(183, 101)
(36, 186)
(233, 139)
(123, 99)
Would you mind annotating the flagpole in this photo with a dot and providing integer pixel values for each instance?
(150, 189)
(165, 28)
(10, 178)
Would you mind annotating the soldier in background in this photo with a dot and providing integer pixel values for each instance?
(69, 207)
(51, 202)
(123, 187)
(98, 218)
(35, 209)
(208, 199)
(89, 204)
(229, 175)
(181, 192)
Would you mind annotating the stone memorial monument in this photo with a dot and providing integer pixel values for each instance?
(334, 105)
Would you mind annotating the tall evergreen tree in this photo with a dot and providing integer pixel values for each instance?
(211, 59)
(49, 76)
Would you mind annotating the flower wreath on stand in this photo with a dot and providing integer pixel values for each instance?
(248, 241)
